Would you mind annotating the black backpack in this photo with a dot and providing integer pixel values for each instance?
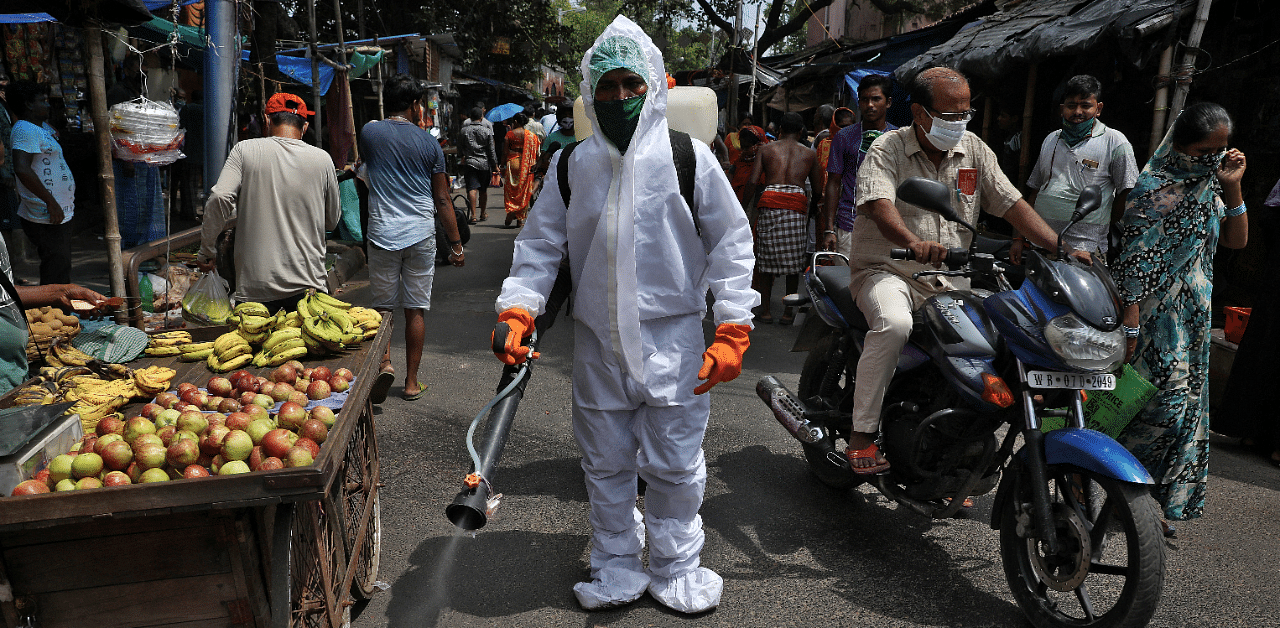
(681, 152)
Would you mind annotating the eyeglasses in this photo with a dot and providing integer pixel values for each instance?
(963, 116)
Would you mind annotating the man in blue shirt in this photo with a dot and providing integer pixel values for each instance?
(848, 148)
(407, 182)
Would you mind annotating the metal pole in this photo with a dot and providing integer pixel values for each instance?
(106, 174)
(221, 58)
(1189, 58)
(733, 78)
(1160, 110)
(318, 125)
(345, 75)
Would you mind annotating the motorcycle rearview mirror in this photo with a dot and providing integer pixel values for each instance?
(933, 196)
(1089, 200)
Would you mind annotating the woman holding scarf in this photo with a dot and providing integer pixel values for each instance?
(517, 183)
(1186, 202)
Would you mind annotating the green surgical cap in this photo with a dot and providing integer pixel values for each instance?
(618, 52)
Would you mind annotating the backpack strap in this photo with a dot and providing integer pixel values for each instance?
(686, 162)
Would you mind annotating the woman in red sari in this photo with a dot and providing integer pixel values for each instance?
(750, 138)
(517, 182)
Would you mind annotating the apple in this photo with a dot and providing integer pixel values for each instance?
(43, 476)
(88, 443)
(236, 445)
(234, 467)
(299, 397)
(314, 430)
(149, 456)
(238, 420)
(298, 456)
(256, 412)
(197, 398)
(166, 434)
(267, 387)
(165, 400)
(216, 464)
(153, 475)
(102, 442)
(116, 478)
(193, 422)
(204, 460)
(264, 400)
(182, 453)
(227, 406)
(29, 487)
(339, 384)
(285, 373)
(134, 472)
(60, 467)
(297, 366)
(291, 416)
(65, 485)
(311, 446)
(344, 373)
(255, 457)
(138, 426)
(167, 417)
(117, 455)
(319, 389)
(240, 374)
(111, 425)
(281, 391)
(212, 404)
(301, 384)
(187, 435)
(211, 442)
(259, 428)
(246, 398)
(219, 386)
(88, 482)
(250, 384)
(195, 471)
(85, 465)
(182, 405)
(277, 442)
(215, 418)
(306, 373)
(320, 372)
(270, 464)
(325, 415)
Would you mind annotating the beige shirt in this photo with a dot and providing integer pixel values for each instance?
(892, 159)
(283, 194)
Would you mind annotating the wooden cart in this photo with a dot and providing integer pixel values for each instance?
(271, 548)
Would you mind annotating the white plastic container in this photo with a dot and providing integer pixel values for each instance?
(54, 440)
(689, 109)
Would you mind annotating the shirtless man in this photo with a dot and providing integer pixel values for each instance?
(782, 222)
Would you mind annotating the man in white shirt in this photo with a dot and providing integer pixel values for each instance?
(1083, 152)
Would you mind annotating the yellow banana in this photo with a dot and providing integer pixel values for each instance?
(236, 362)
(197, 346)
(196, 356)
(251, 307)
(163, 351)
(342, 321)
(291, 320)
(168, 342)
(228, 340)
(185, 335)
(234, 352)
(304, 306)
(330, 301)
(314, 347)
(295, 353)
(280, 336)
(254, 324)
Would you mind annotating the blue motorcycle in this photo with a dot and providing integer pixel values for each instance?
(1080, 534)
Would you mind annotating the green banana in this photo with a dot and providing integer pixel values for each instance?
(254, 324)
(196, 356)
(330, 301)
(279, 336)
(251, 307)
(287, 345)
(296, 353)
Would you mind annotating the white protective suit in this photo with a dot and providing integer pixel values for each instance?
(639, 338)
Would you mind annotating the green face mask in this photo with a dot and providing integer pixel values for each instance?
(1073, 134)
(618, 119)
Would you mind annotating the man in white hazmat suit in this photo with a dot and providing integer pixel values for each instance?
(641, 268)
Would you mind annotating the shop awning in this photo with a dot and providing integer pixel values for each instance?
(299, 68)
(1033, 30)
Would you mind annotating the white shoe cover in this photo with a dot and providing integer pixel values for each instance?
(613, 588)
(694, 592)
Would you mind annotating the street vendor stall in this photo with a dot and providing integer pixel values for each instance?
(282, 547)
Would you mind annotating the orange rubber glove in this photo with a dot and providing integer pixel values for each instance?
(521, 327)
(722, 361)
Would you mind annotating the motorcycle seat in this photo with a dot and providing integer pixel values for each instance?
(835, 279)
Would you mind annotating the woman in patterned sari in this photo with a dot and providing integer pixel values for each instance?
(1186, 202)
(517, 182)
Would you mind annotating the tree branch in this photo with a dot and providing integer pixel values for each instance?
(720, 22)
(773, 36)
(903, 6)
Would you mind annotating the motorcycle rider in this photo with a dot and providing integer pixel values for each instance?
(640, 273)
(937, 146)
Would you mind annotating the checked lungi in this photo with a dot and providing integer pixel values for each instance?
(782, 230)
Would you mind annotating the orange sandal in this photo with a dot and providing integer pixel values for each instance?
(871, 452)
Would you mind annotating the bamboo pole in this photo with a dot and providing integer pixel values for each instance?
(1160, 110)
(318, 125)
(346, 77)
(1028, 107)
(106, 175)
(1189, 58)
(988, 105)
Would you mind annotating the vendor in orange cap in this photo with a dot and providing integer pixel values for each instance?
(284, 197)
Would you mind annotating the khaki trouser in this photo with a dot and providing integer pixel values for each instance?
(887, 301)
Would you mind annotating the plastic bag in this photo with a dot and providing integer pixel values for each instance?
(207, 302)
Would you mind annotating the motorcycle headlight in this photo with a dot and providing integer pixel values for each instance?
(1082, 346)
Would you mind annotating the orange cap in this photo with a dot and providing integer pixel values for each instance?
(288, 103)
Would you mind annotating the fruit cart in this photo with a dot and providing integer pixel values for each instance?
(281, 548)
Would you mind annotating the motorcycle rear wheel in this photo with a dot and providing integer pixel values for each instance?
(826, 458)
(1112, 581)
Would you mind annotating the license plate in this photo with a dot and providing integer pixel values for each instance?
(1081, 381)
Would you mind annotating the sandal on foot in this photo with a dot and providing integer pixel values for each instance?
(872, 453)
(1169, 531)
(422, 390)
(382, 384)
(788, 317)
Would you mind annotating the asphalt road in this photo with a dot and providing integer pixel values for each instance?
(792, 552)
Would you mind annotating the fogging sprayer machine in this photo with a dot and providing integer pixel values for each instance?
(472, 507)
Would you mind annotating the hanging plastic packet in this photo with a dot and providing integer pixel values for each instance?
(146, 131)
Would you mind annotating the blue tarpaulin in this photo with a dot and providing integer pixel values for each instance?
(24, 18)
(152, 5)
(299, 69)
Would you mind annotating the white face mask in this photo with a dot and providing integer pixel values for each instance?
(945, 135)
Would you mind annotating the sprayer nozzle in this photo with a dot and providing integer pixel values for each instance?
(472, 480)
(469, 510)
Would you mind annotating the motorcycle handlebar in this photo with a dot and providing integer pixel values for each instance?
(955, 258)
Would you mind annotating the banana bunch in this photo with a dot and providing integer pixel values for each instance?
(96, 391)
(34, 394)
(168, 343)
(281, 346)
(253, 321)
(60, 376)
(116, 371)
(195, 351)
(292, 319)
(229, 352)
(153, 380)
(61, 353)
(366, 319)
(90, 413)
(325, 331)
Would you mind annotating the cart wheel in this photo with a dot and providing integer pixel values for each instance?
(361, 495)
(311, 564)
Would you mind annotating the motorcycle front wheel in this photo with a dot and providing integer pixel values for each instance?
(1109, 568)
(826, 458)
